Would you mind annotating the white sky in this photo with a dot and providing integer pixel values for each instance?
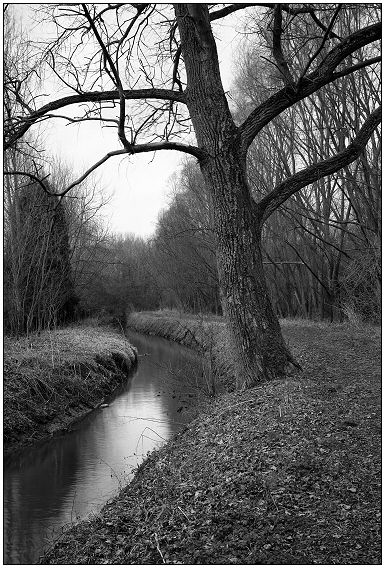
(140, 185)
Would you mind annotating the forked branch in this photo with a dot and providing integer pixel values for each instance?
(89, 97)
(319, 170)
(288, 96)
(32, 177)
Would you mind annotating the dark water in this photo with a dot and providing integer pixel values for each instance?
(72, 476)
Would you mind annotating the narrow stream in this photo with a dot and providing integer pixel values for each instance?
(69, 477)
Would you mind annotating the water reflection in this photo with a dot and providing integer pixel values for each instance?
(69, 477)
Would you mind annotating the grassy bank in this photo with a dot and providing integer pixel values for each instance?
(286, 473)
(54, 378)
(206, 335)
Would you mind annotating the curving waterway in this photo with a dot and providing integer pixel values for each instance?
(72, 476)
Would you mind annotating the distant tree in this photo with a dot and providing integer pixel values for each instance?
(120, 53)
(39, 289)
(121, 278)
(184, 246)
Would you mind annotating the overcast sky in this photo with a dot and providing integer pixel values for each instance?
(139, 185)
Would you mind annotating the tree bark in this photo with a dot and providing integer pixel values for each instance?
(255, 338)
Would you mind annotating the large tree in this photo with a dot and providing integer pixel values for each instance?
(167, 62)
(323, 243)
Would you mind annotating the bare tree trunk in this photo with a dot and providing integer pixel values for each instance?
(256, 340)
(255, 335)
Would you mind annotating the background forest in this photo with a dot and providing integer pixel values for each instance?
(321, 248)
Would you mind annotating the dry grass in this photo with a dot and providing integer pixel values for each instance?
(53, 377)
(67, 345)
(205, 334)
(286, 473)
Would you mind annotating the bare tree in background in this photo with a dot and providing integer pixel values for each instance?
(323, 245)
(184, 246)
(50, 244)
(110, 55)
(38, 288)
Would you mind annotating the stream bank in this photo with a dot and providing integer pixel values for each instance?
(51, 485)
(54, 378)
(207, 335)
(288, 472)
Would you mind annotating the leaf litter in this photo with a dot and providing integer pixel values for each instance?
(288, 472)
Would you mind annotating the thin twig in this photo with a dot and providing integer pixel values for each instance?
(234, 405)
(158, 548)
(183, 513)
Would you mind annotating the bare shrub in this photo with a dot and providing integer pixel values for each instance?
(361, 289)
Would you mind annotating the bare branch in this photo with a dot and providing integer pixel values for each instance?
(322, 26)
(324, 40)
(228, 10)
(154, 147)
(277, 47)
(136, 149)
(175, 78)
(32, 177)
(117, 81)
(357, 67)
(319, 170)
(288, 96)
(91, 96)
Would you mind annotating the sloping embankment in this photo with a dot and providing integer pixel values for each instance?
(200, 333)
(55, 378)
